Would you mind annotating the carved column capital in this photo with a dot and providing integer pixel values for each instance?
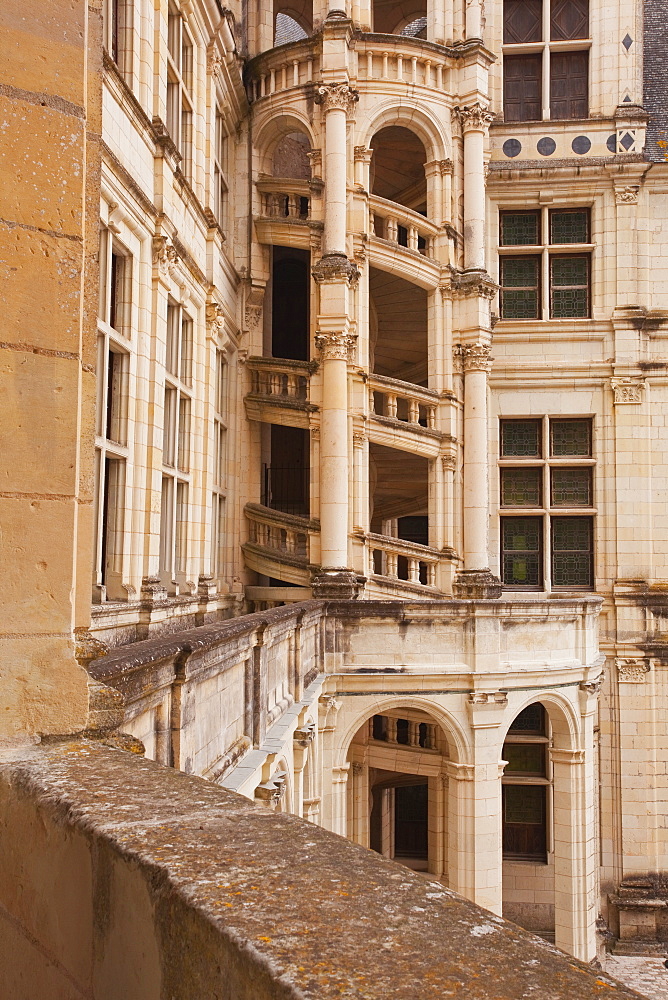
(337, 97)
(363, 153)
(475, 357)
(627, 390)
(335, 267)
(474, 118)
(336, 346)
(632, 669)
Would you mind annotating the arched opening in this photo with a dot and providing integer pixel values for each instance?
(290, 157)
(290, 303)
(293, 23)
(397, 168)
(397, 801)
(527, 822)
(393, 18)
(398, 328)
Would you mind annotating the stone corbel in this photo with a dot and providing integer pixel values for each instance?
(272, 791)
(165, 256)
(335, 267)
(304, 735)
(328, 707)
(215, 320)
(486, 708)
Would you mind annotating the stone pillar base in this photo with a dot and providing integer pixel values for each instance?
(337, 585)
(477, 585)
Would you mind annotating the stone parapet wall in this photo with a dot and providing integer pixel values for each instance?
(126, 879)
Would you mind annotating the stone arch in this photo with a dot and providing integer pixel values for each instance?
(273, 132)
(458, 739)
(417, 120)
(389, 17)
(562, 715)
(298, 11)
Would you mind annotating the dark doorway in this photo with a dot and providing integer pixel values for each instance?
(286, 477)
(410, 821)
(290, 293)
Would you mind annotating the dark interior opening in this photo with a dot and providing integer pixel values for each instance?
(290, 302)
(410, 820)
(286, 477)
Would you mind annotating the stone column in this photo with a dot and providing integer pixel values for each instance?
(335, 275)
(473, 19)
(476, 579)
(359, 827)
(338, 822)
(338, 101)
(475, 121)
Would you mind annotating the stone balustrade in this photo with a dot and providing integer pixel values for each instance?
(282, 533)
(285, 198)
(401, 560)
(282, 69)
(397, 224)
(404, 60)
(123, 878)
(280, 379)
(402, 401)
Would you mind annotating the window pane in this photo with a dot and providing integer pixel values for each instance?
(519, 287)
(569, 19)
(572, 552)
(524, 758)
(569, 227)
(522, 88)
(522, 21)
(521, 487)
(530, 720)
(570, 437)
(571, 488)
(569, 287)
(520, 229)
(520, 438)
(522, 542)
(524, 823)
(569, 85)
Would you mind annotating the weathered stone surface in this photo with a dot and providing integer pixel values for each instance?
(137, 880)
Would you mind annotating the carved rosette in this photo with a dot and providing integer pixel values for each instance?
(627, 195)
(627, 390)
(474, 118)
(336, 346)
(215, 321)
(335, 267)
(337, 97)
(165, 257)
(631, 669)
(476, 357)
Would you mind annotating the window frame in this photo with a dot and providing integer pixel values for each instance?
(117, 25)
(548, 511)
(180, 101)
(547, 252)
(545, 47)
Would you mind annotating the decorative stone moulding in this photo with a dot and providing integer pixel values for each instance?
(335, 267)
(337, 97)
(474, 118)
(627, 195)
(336, 346)
(627, 390)
(478, 698)
(165, 257)
(632, 670)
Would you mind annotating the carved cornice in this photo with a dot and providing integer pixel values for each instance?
(627, 390)
(337, 97)
(336, 346)
(474, 118)
(335, 267)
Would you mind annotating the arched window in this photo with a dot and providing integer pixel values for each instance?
(287, 30)
(525, 787)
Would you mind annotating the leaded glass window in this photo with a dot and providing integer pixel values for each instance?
(520, 229)
(572, 552)
(570, 487)
(520, 287)
(524, 758)
(521, 487)
(570, 226)
(569, 287)
(530, 720)
(520, 438)
(570, 437)
(522, 551)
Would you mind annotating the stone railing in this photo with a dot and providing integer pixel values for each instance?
(282, 69)
(282, 533)
(403, 60)
(121, 878)
(397, 224)
(402, 401)
(285, 198)
(400, 560)
(280, 379)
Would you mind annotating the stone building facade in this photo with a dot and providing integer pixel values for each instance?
(374, 327)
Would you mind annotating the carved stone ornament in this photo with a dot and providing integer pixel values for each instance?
(449, 463)
(363, 153)
(336, 346)
(165, 256)
(357, 768)
(627, 390)
(627, 195)
(252, 316)
(631, 670)
(464, 284)
(272, 791)
(335, 267)
(488, 698)
(337, 96)
(329, 709)
(446, 167)
(305, 735)
(476, 357)
(315, 156)
(474, 118)
(215, 321)
(358, 440)
(592, 688)
(214, 61)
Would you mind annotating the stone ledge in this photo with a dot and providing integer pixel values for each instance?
(131, 879)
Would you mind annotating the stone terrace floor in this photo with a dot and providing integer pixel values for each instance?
(647, 976)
